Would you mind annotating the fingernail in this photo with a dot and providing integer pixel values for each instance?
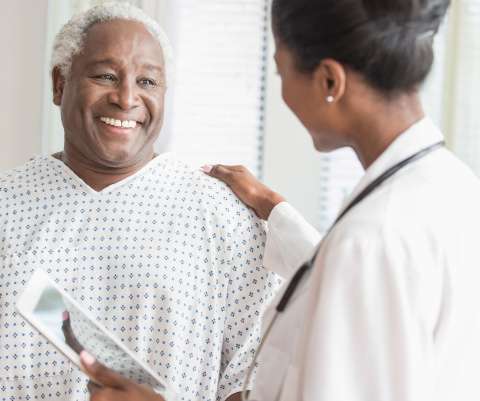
(65, 315)
(207, 168)
(87, 359)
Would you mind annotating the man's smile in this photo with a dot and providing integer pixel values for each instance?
(119, 123)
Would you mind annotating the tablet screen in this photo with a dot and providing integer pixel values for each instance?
(71, 326)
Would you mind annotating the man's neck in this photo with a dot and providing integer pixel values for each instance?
(95, 176)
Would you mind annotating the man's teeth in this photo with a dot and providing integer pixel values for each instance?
(119, 123)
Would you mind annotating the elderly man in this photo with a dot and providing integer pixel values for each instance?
(164, 256)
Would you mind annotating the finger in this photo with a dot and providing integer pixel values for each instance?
(109, 394)
(100, 374)
(223, 173)
(207, 168)
(93, 387)
(216, 170)
(70, 337)
(240, 169)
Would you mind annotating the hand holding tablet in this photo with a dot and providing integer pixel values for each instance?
(73, 331)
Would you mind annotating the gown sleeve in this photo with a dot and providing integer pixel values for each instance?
(291, 240)
(251, 288)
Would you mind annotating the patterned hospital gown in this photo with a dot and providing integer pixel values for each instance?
(168, 259)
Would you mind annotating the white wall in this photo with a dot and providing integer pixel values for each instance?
(22, 35)
(292, 166)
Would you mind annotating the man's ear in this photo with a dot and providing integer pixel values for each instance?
(331, 79)
(58, 81)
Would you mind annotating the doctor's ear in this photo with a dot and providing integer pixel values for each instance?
(330, 78)
(58, 81)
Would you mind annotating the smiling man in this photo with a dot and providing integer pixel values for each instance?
(111, 97)
(164, 256)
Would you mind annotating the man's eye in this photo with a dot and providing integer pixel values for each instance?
(106, 77)
(147, 82)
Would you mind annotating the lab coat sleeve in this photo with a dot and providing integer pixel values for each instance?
(366, 339)
(291, 240)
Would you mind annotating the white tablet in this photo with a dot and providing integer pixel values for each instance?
(71, 328)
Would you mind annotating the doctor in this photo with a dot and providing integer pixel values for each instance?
(389, 308)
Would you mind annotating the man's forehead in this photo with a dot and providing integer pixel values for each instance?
(111, 39)
(153, 65)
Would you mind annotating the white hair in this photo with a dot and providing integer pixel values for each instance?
(70, 40)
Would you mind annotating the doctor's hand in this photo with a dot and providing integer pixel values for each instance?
(107, 385)
(250, 191)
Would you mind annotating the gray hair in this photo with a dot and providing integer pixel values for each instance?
(70, 40)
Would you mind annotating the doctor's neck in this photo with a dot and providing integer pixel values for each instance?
(378, 122)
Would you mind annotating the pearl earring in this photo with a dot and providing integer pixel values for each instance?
(330, 99)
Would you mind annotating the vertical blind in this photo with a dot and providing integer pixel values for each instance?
(339, 173)
(464, 77)
(217, 104)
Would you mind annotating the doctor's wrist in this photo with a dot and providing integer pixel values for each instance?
(267, 202)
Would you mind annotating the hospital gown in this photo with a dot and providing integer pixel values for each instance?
(168, 259)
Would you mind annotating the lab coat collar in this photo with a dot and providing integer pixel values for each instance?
(419, 136)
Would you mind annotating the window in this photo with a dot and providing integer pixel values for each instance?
(462, 82)
(216, 109)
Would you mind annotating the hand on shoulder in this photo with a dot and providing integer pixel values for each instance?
(251, 191)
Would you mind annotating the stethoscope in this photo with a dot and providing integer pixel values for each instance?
(307, 266)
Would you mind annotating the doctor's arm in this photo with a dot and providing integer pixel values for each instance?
(291, 240)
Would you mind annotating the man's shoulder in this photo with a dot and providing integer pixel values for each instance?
(212, 195)
(192, 181)
(178, 167)
(20, 176)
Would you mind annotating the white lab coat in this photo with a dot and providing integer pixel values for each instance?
(391, 310)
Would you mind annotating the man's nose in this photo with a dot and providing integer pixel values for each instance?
(125, 95)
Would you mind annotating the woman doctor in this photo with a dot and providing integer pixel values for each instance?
(389, 308)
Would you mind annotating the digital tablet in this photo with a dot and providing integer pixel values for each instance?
(71, 329)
